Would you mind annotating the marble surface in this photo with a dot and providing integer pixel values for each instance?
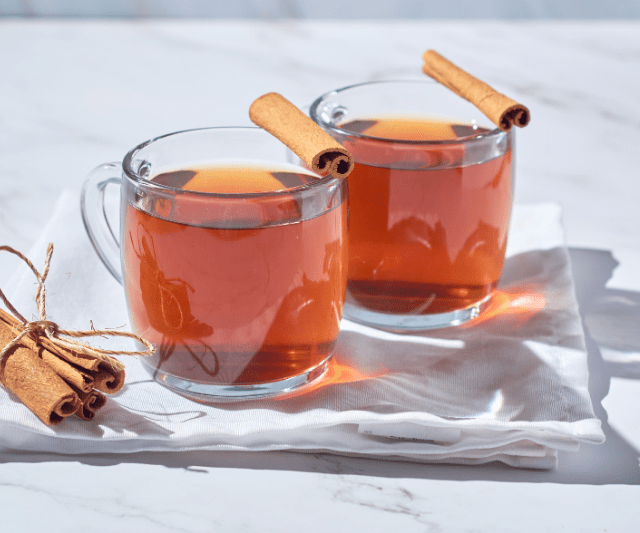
(334, 9)
(75, 95)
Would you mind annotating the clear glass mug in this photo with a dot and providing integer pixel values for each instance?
(241, 289)
(429, 202)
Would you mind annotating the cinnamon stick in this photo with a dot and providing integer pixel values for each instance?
(23, 372)
(321, 153)
(92, 372)
(46, 379)
(65, 363)
(86, 362)
(90, 402)
(500, 109)
(81, 380)
(106, 377)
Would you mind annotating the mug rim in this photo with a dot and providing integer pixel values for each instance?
(470, 139)
(127, 168)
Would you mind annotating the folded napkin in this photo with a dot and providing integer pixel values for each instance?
(510, 387)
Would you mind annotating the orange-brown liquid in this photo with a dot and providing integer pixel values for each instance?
(424, 240)
(236, 306)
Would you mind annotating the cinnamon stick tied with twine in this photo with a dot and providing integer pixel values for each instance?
(24, 373)
(53, 374)
(322, 154)
(62, 374)
(500, 109)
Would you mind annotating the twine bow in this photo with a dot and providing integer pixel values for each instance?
(50, 330)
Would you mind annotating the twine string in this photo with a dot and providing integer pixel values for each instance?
(50, 330)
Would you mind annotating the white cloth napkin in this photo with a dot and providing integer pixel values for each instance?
(511, 387)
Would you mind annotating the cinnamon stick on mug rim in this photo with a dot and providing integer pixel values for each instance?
(500, 109)
(323, 154)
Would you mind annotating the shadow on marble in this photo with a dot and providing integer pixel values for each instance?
(610, 319)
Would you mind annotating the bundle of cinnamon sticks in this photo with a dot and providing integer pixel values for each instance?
(52, 381)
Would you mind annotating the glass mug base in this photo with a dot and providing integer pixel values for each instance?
(208, 392)
(411, 322)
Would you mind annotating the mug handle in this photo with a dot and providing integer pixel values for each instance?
(95, 219)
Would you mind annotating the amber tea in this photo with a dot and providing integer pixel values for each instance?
(236, 306)
(425, 240)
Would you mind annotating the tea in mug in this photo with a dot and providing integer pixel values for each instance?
(427, 231)
(234, 299)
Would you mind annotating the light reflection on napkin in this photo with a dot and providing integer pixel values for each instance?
(510, 387)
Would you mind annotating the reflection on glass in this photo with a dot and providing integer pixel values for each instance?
(236, 306)
(427, 232)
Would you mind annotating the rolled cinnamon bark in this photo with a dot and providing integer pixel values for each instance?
(500, 109)
(87, 362)
(321, 153)
(90, 402)
(84, 372)
(108, 379)
(47, 382)
(80, 379)
(23, 372)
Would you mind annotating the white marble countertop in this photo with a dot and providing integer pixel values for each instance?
(76, 94)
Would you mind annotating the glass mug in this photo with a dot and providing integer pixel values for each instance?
(232, 257)
(429, 202)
